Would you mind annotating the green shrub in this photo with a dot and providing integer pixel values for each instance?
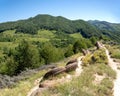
(51, 53)
(79, 45)
(69, 51)
(116, 54)
(114, 51)
(87, 60)
(99, 56)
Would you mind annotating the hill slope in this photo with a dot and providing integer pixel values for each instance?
(109, 29)
(59, 23)
(48, 22)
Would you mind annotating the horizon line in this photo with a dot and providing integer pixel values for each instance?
(58, 16)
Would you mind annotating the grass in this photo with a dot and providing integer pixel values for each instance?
(84, 86)
(7, 44)
(46, 33)
(38, 39)
(76, 35)
(42, 36)
(115, 51)
(22, 87)
(80, 86)
(64, 62)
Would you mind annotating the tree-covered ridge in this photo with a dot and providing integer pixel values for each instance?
(112, 30)
(59, 23)
(48, 22)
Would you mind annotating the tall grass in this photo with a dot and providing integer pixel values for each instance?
(115, 51)
(22, 87)
(84, 86)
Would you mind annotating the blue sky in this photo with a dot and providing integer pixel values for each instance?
(105, 10)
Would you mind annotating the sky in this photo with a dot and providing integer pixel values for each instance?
(103, 10)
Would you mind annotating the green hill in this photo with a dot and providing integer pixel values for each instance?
(48, 22)
(59, 23)
(112, 30)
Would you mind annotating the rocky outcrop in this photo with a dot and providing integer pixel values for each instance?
(71, 61)
(54, 72)
(45, 83)
(10, 81)
(98, 45)
(71, 67)
(85, 52)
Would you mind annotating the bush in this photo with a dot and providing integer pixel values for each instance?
(116, 53)
(93, 40)
(79, 45)
(11, 66)
(23, 56)
(87, 60)
(51, 53)
(69, 51)
(99, 56)
(27, 56)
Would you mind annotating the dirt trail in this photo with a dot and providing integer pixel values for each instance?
(50, 83)
(114, 66)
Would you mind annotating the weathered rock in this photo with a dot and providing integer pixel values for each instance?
(54, 72)
(8, 81)
(85, 52)
(71, 61)
(71, 67)
(98, 45)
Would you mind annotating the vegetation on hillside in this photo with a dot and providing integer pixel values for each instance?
(60, 24)
(114, 51)
(111, 30)
(86, 84)
(44, 39)
(26, 51)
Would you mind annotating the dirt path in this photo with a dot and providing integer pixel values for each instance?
(114, 66)
(50, 83)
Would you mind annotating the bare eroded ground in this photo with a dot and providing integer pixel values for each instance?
(114, 66)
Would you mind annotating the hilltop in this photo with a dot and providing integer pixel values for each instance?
(86, 28)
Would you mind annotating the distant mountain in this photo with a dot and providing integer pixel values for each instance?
(109, 29)
(103, 25)
(51, 23)
(61, 24)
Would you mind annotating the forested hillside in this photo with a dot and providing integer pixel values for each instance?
(111, 30)
(21, 51)
(46, 39)
(48, 22)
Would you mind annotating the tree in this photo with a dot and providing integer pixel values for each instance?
(69, 51)
(11, 66)
(79, 45)
(29, 28)
(27, 56)
(51, 53)
(93, 40)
